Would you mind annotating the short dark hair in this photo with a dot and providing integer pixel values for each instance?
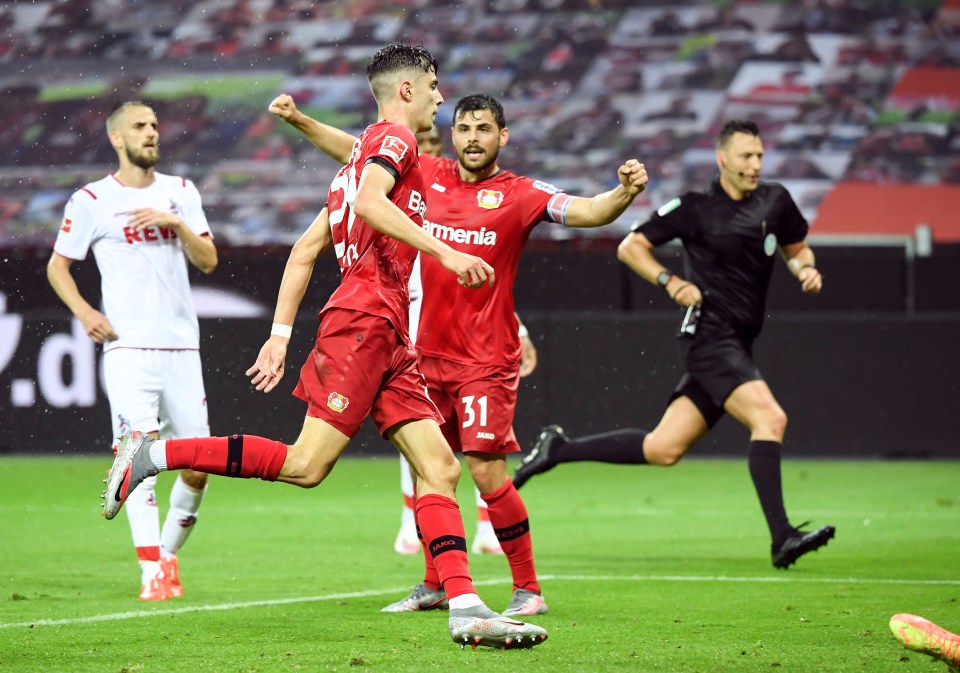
(119, 109)
(400, 56)
(736, 126)
(480, 101)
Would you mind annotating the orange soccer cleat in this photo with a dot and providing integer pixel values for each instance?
(921, 635)
(170, 568)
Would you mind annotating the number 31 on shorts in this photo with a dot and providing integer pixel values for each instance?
(470, 410)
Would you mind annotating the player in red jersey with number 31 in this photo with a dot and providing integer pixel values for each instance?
(468, 343)
(363, 363)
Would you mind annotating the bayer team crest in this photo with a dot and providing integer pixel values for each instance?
(337, 402)
(489, 198)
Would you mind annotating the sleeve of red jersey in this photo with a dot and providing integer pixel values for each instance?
(395, 146)
(544, 201)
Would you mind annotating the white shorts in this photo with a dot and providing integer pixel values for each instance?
(156, 390)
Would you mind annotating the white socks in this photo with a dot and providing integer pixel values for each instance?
(158, 454)
(465, 601)
(184, 505)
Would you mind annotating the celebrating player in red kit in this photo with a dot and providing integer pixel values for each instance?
(363, 363)
(468, 343)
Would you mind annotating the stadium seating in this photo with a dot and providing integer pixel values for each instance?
(844, 92)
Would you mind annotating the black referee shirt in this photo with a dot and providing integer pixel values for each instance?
(730, 247)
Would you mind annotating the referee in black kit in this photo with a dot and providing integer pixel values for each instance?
(730, 233)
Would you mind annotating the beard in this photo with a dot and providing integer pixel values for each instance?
(142, 160)
(473, 167)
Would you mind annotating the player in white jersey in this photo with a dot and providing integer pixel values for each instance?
(142, 227)
(485, 541)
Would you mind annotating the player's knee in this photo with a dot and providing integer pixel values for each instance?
(440, 473)
(663, 453)
(775, 421)
(307, 469)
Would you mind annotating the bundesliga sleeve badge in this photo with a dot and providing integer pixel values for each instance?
(393, 148)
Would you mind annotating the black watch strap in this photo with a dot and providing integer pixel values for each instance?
(664, 277)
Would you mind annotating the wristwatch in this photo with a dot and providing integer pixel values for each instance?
(664, 277)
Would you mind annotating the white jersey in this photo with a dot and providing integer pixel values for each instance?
(146, 292)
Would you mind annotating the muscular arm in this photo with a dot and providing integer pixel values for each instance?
(333, 142)
(374, 207)
(636, 251)
(606, 207)
(95, 323)
(802, 264)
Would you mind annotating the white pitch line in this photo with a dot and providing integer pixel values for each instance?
(137, 614)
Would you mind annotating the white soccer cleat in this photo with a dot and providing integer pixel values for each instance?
(131, 466)
(480, 625)
(525, 603)
(421, 598)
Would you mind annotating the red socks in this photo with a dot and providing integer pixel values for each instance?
(445, 543)
(508, 515)
(242, 456)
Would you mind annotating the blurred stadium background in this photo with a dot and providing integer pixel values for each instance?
(857, 100)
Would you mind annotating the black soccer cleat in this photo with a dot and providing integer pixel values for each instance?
(539, 459)
(799, 543)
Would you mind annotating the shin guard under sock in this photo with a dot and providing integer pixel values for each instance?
(242, 456)
(508, 515)
(439, 521)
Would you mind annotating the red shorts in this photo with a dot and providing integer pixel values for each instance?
(359, 367)
(477, 404)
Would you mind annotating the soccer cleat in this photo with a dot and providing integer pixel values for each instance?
(800, 543)
(131, 466)
(407, 541)
(525, 603)
(921, 635)
(421, 598)
(486, 543)
(539, 459)
(155, 590)
(170, 567)
(480, 625)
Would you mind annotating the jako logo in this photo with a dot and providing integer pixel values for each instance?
(444, 233)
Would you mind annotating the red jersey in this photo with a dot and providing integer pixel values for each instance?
(375, 268)
(491, 219)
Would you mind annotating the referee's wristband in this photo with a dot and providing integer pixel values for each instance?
(278, 329)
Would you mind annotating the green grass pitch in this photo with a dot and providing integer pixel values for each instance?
(644, 569)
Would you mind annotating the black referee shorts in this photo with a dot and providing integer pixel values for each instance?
(717, 362)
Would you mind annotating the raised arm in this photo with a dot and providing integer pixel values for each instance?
(269, 367)
(330, 140)
(607, 207)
